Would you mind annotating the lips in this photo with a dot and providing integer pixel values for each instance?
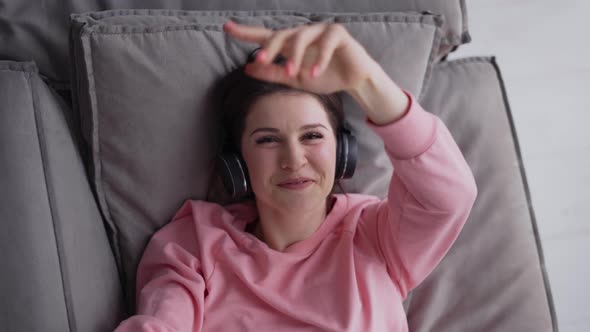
(295, 181)
(297, 184)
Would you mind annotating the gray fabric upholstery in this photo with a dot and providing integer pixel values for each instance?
(493, 278)
(58, 271)
(142, 88)
(29, 30)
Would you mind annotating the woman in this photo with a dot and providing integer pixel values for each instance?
(297, 257)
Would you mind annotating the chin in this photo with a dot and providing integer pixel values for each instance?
(299, 200)
(294, 200)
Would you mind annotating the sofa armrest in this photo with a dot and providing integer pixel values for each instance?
(58, 270)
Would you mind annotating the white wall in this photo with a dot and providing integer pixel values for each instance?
(543, 50)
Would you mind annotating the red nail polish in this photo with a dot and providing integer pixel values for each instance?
(228, 24)
(261, 56)
(315, 71)
(290, 68)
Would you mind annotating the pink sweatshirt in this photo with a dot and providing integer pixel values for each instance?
(203, 272)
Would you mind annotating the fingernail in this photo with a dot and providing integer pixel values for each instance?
(315, 71)
(262, 56)
(290, 67)
(228, 24)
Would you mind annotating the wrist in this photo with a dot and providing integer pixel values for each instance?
(381, 99)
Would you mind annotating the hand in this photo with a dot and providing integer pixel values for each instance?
(321, 58)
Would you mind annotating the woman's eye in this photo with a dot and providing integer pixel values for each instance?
(266, 139)
(312, 136)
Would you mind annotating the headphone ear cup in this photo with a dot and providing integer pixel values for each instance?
(234, 174)
(351, 156)
(339, 163)
(346, 155)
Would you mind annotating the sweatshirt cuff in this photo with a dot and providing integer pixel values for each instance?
(410, 135)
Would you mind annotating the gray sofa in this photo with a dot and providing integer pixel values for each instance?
(99, 98)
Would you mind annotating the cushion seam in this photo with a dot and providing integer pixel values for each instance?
(465, 35)
(97, 162)
(53, 211)
(436, 39)
(460, 61)
(227, 13)
(129, 30)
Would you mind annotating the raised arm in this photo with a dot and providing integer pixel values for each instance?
(432, 189)
(170, 283)
(430, 196)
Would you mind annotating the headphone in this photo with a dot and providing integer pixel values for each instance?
(234, 173)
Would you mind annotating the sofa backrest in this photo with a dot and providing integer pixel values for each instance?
(29, 30)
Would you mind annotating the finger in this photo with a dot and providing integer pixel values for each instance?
(248, 33)
(327, 45)
(274, 45)
(299, 46)
(268, 72)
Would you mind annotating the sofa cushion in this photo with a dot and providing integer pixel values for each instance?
(29, 31)
(142, 83)
(493, 278)
(58, 271)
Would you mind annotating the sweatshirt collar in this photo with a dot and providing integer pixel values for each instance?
(246, 212)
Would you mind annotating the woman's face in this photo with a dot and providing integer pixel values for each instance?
(289, 148)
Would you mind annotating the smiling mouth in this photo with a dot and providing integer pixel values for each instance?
(301, 184)
(296, 182)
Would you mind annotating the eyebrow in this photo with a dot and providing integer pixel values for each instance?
(275, 130)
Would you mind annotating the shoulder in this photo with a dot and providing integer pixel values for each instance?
(191, 216)
(208, 213)
(189, 238)
(201, 223)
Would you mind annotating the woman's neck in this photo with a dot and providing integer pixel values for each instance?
(281, 228)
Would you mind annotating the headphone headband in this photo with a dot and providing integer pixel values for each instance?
(279, 60)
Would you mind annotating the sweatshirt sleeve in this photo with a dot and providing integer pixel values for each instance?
(430, 196)
(170, 283)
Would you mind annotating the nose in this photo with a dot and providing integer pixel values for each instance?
(293, 157)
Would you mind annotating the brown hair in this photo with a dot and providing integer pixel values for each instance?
(236, 92)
